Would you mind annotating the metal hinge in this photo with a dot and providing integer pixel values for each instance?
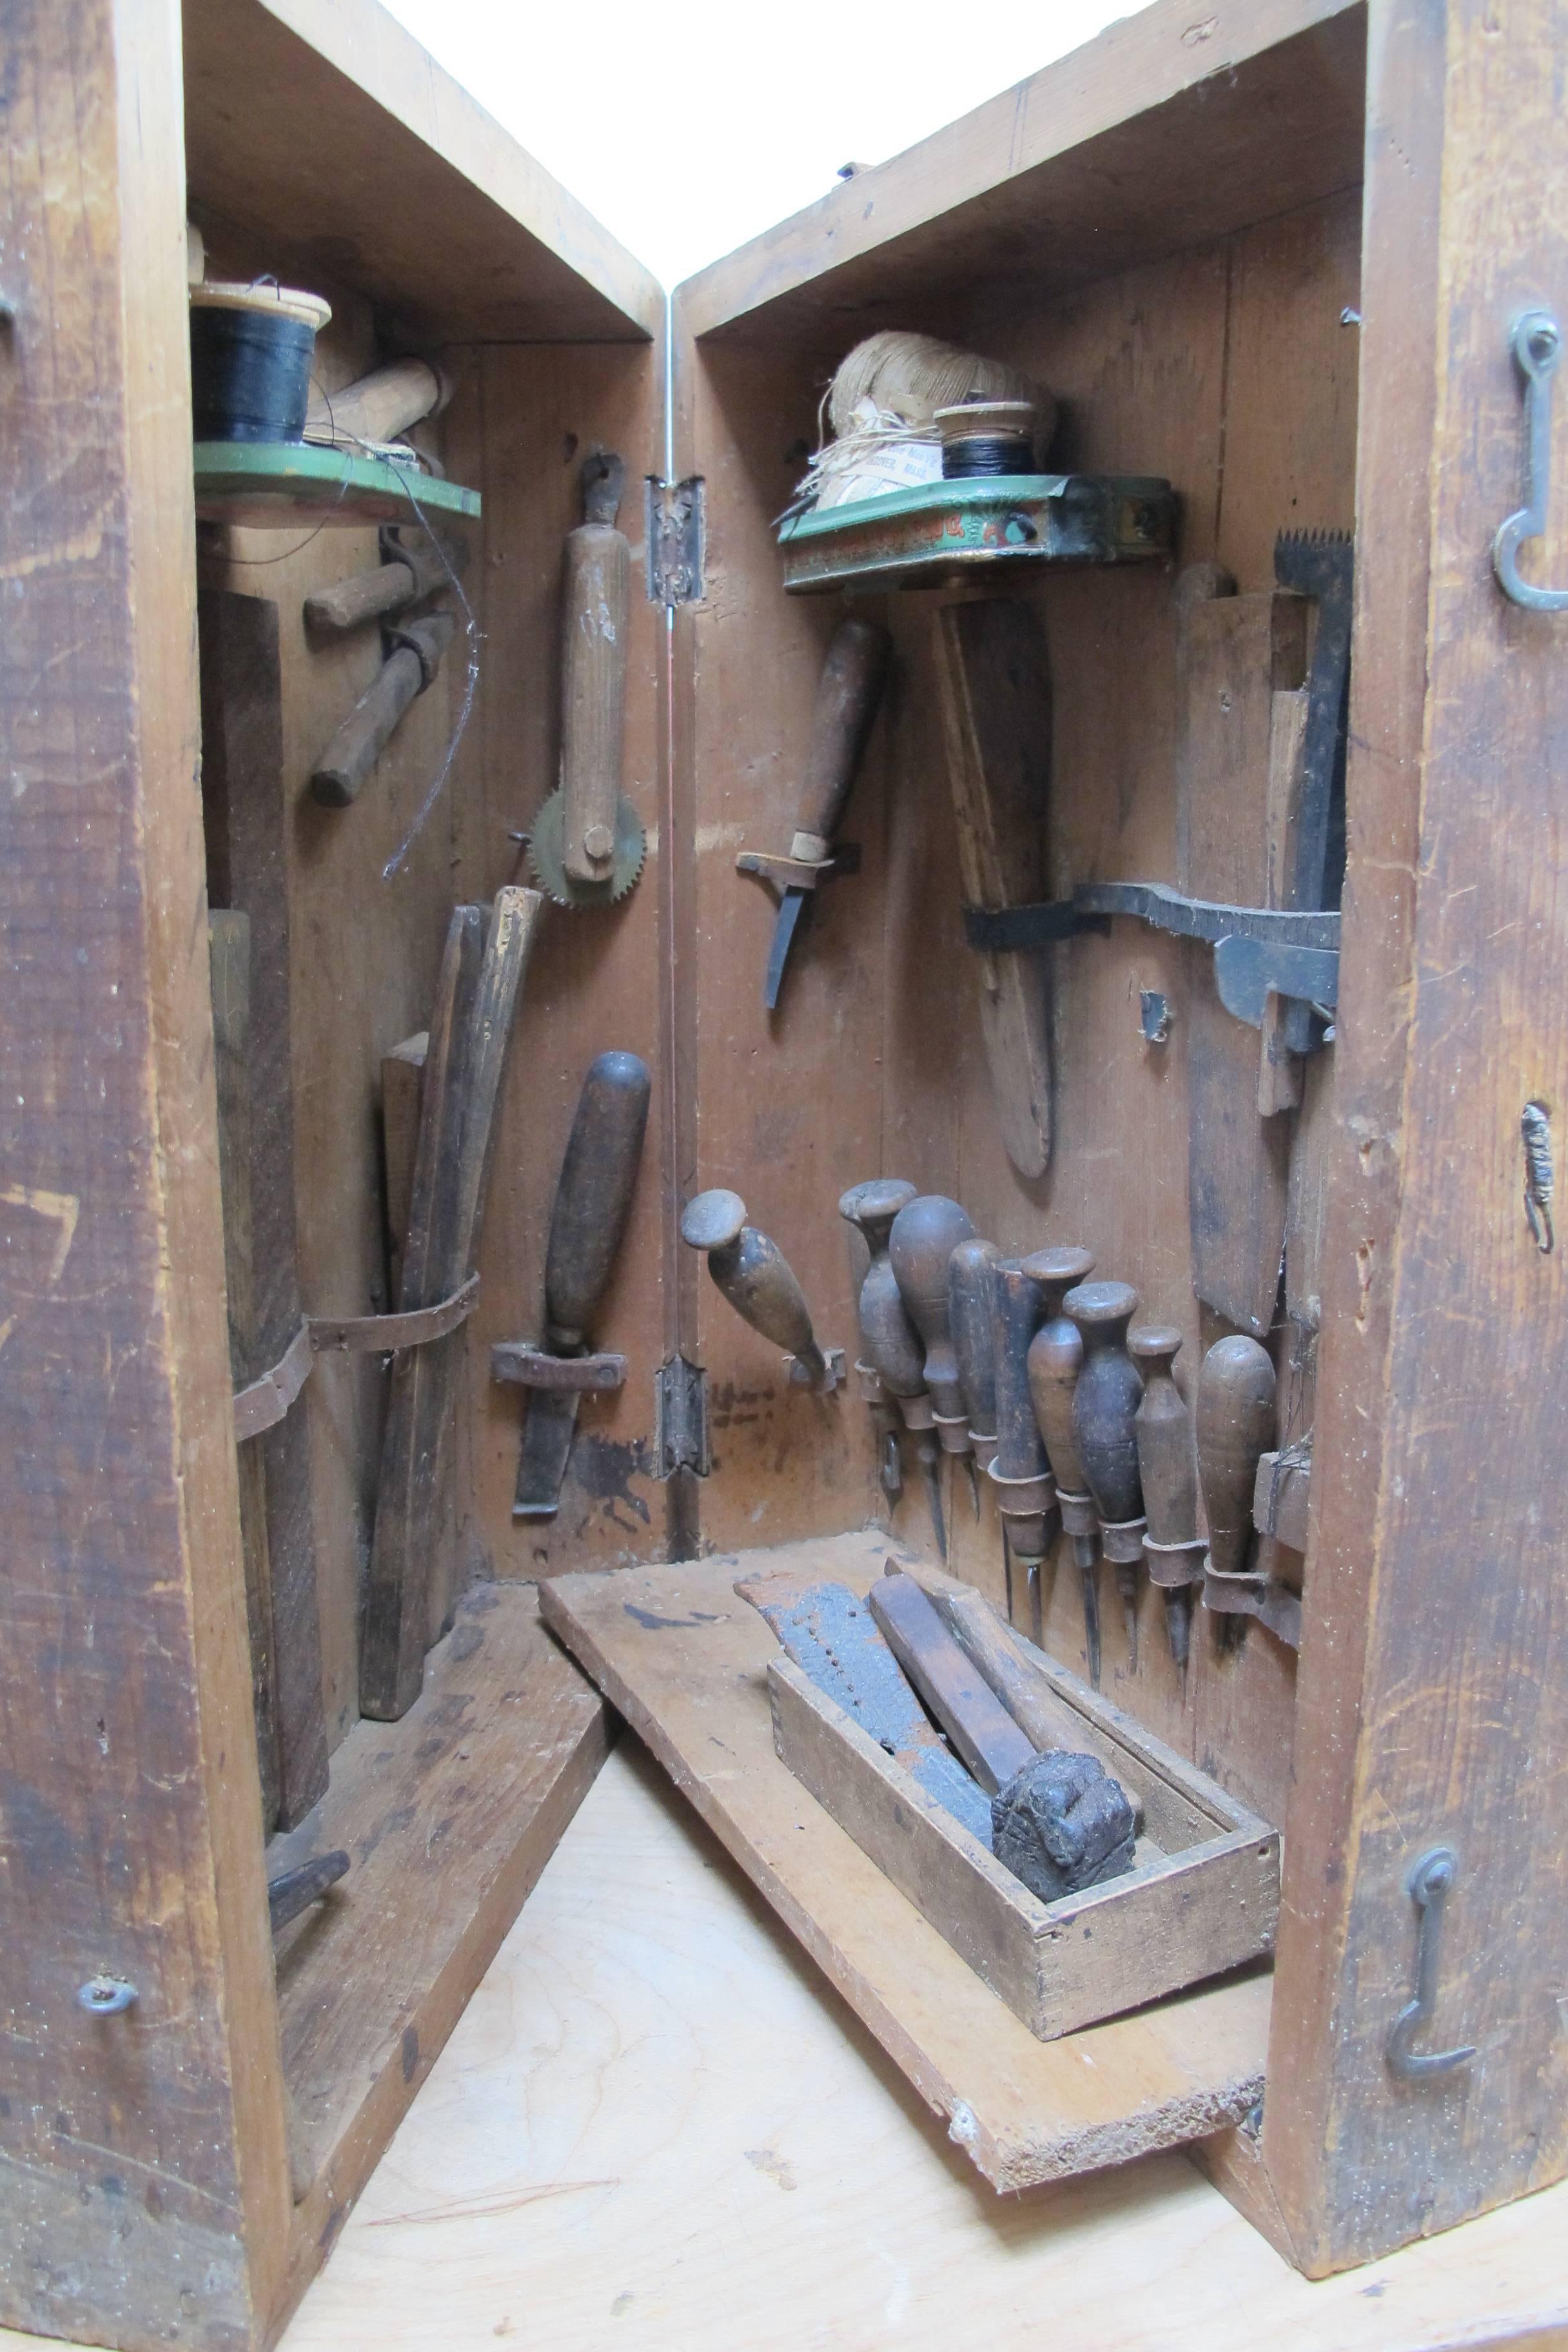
(676, 515)
(680, 1418)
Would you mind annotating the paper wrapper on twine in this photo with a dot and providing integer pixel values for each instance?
(882, 405)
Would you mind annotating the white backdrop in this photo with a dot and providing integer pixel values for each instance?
(689, 127)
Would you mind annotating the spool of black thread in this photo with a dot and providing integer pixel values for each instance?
(250, 366)
(983, 437)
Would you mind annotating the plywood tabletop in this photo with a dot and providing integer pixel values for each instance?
(656, 2126)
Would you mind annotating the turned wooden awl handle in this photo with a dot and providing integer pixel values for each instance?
(597, 607)
(971, 1310)
(1055, 1359)
(1106, 1399)
(753, 1273)
(925, 1234)
(868, 1209)
(1165, 1461)
(594, 1196)
(338, 774)
(1020, 1303)
(848, 696)
(1234, 1426)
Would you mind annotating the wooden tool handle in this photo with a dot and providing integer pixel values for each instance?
(1234, 1425)
(1106, 1399)
(868, 1210)
(972, 1306)
(1166, 1466)
(338, 775)
(405, 575)
(1055, 1359)
(596, 611)
(594, 1196)
(1020, 1303)
(891, 1342)
(380, 406)
(923, 1237)
(848, 698)
(752, 1273)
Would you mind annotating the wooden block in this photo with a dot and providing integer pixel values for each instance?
(1166, 1925)
(686, 1663)
(402, 1090)
(244, 788)
(228, 944)
(991, 1744)
(1278, 1069)
(1279, 1500)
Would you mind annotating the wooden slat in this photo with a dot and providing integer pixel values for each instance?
(326, 126)
(246, 791)
(685, 1662)
(448, 1817)
(1434, 1663)
(1161, 133)
(144, 2175)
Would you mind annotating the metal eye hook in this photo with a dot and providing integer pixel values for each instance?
(1430, 1882)
(1537, 346)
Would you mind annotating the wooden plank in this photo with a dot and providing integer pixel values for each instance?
(326, 126)
(228, 939)
(646, 2122)
(143, 2172)
(449, 1818)
(1159, 134)
(1435, 1666)
(246, 788)
(1169, 1924)
(402, 1087)
(679, 1656)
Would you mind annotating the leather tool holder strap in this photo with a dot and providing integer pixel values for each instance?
(263, 1404)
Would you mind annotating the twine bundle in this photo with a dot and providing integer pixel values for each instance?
(882, 404)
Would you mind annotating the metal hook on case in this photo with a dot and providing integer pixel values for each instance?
(1537, 346)
(1430, 1884)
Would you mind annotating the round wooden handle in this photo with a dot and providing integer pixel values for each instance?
(848, 698)
(594, 1196)
(1106, 1399)
(596, 611)
(925, 1232)
(1166, 1466)
(1056, 1358)
(972, 1311)
(1020, 1302)
(1234, 1425)
(891, 1342)
(752, 1273)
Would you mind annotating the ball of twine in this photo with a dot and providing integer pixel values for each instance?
(911, 376)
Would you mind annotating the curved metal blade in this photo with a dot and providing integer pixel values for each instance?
(784, 928)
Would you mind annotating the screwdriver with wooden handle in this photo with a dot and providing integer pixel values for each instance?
(1055, 1359)
(593, 1202)
(925, 1232)
(1168, 1473)
(893, 1347)
(1234, 1420)
(753, 1273)
(848, 696)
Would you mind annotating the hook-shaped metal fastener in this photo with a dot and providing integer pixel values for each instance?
(1537, 346)
(1430, 1882)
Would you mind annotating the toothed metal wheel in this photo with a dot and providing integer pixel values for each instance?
(546, 857)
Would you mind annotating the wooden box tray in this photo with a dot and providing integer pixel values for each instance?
(1203, 1898)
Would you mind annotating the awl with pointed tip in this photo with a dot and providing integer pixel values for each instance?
(593, 1200)
(847, 697)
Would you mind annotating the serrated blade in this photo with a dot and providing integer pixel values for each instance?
(785, 925)
(546, 857)
(547, 1434)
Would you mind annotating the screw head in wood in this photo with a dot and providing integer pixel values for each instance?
(105, 1996)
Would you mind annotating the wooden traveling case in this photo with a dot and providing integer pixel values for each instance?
(1277, 258)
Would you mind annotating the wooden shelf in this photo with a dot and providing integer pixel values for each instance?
(448, 1816)
(686, 1663)
(942, 532)
(279, 484)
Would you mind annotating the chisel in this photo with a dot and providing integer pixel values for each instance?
(1055, 1359)
(847, 697)
(593, 1200)
(924, 1235)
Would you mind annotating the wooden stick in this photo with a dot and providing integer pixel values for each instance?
(229, 943)
(469, 1033)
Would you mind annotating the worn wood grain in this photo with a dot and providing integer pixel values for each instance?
(228, 938)
(1435, 1644)
(246, 788)
(679, 1656)
(448, 1816)
(144, 2173)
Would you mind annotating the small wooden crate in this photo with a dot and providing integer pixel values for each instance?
(1204, 1897)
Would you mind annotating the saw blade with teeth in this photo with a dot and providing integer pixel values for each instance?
(546, 857)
